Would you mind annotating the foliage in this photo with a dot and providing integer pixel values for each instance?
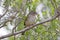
(48, 32)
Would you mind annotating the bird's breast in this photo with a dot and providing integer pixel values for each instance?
(30, 21)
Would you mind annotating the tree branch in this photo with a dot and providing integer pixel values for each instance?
(27, 28)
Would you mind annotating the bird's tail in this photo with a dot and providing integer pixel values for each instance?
(23, 33)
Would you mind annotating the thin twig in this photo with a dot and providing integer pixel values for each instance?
(4, 13)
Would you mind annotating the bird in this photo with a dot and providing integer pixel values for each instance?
(30, 19)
